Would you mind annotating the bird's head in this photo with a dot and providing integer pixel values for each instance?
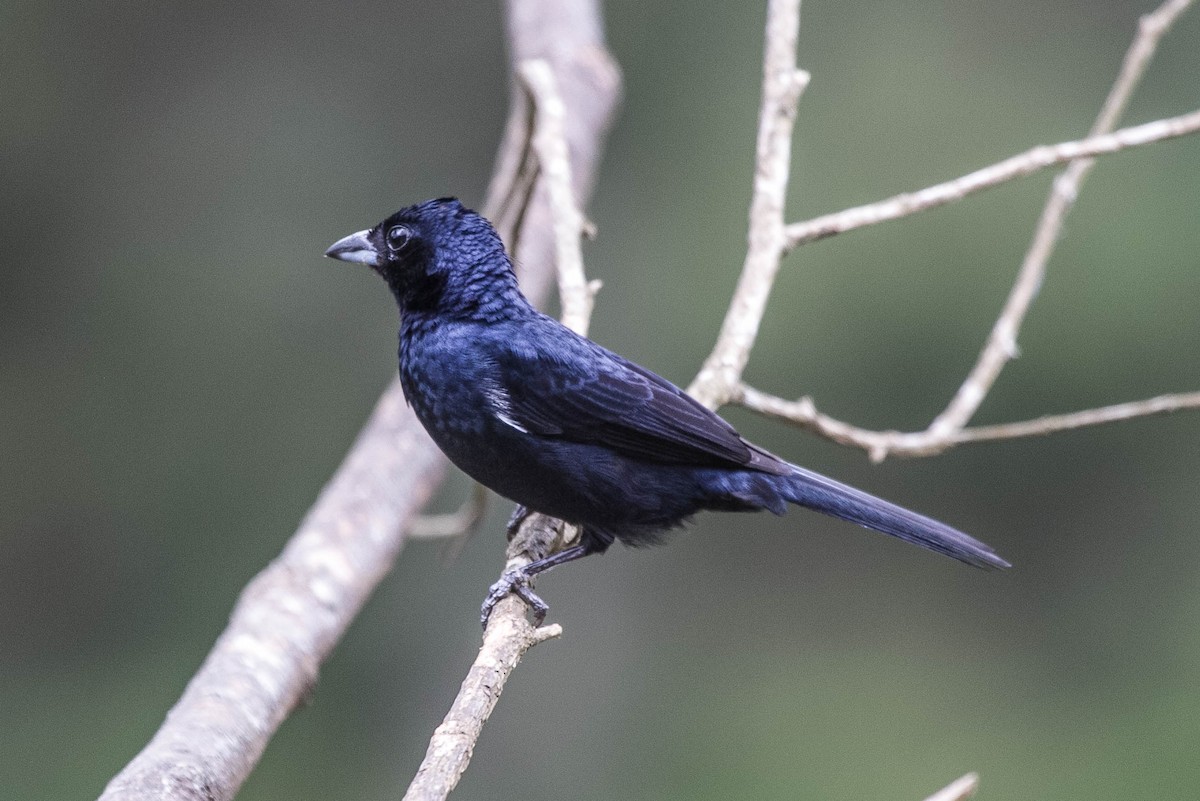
(438, 257)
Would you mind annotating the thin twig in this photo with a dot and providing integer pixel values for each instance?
(1151, 28)
(510, 191)
(505, 641)
(461, 522)
(880, 444)
(958, 790)
(1027, 163)
(782, 86)
(504, 644)
(1050, 424)
(577, 295)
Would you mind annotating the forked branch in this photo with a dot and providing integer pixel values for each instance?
(720, 379)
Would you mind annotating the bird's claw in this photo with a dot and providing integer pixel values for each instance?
(514, 582)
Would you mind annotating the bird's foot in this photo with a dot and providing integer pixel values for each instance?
(514, 582)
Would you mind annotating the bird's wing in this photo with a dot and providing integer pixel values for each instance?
(578, 391)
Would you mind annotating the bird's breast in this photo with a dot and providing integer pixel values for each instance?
(455, 395)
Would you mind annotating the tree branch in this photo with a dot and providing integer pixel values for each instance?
(549, 140)
(462, 522)
(509, 635)
(957, 790)
(949, 427)
(1001, 346)
(1019, 166)
(783, 84)
(880, 444)
(454, 740)
(1053, 423)
(294, 612)
(290, 616)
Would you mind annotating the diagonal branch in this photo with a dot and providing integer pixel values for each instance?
(290, 617)
(958, 790)
(453, 741)
(1053, 423)
(1019, 166)
(880, 444)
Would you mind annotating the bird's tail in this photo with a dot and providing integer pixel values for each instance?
(830, 497)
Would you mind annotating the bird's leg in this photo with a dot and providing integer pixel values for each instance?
(517, 582)
(519, 513)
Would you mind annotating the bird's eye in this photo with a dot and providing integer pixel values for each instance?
(398, 236)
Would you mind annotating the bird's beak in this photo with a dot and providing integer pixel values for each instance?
(356, 247)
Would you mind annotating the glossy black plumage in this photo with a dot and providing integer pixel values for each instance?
(566, 427)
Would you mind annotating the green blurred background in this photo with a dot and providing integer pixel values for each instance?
(181, 371)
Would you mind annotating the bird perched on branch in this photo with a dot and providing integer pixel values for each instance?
(563, 426)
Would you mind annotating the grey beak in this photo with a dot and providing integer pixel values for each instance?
(356, 247)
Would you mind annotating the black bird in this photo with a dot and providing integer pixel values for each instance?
(562, 426)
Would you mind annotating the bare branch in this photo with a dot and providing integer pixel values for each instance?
(510, 191)
(295, 611)
(461, 522)
(949, 427)
(1053, 423)
(1151, 28)
(1001, 346)
(506, 640)
(577, 294)
(1027, 163)
(880, 444)
(290, 616)
(803, 412)
(958, 790)
(783, 84)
